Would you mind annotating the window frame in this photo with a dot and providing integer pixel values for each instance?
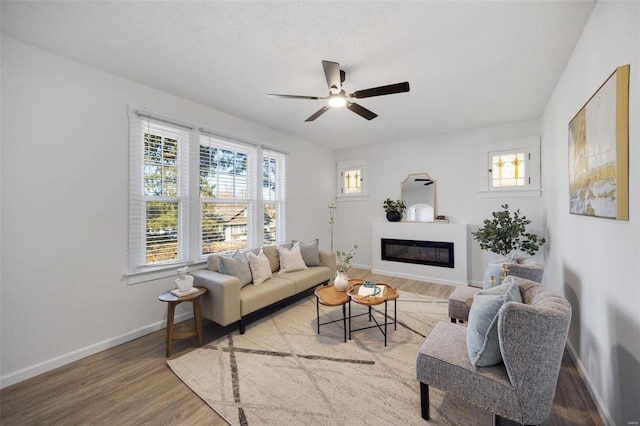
(530, 146)
(346, 165)
(189, 233)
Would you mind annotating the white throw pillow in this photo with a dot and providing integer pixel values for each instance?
(260, 267)
(291, 260)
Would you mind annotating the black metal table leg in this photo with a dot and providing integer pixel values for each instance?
(344, 321)
(385, 323)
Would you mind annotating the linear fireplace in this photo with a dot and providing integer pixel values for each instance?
(434, 253)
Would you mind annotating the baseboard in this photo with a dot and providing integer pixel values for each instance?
(602, 409)
(59, 361)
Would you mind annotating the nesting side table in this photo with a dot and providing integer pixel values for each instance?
(328, 295)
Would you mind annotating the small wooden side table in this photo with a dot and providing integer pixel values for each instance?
(327, 295)
(172, 301)
(389, 293)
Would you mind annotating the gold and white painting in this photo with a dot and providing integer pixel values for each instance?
(598, 151)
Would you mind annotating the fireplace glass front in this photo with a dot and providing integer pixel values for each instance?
(433, 253)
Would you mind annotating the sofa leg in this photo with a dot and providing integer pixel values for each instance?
(241, 325)
(453, 320)
(424, 401)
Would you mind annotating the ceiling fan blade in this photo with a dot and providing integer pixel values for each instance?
(294, 96)
(332, 74)
(382, 90)
(318, 113)
(361, 111)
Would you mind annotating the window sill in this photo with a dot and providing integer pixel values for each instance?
(532, 193)
(352, 197)
(156, 273)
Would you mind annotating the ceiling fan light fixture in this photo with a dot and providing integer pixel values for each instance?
(337, 100)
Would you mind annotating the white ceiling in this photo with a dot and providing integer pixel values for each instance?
(469, 63)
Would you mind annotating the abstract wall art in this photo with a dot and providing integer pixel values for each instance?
(599, 151)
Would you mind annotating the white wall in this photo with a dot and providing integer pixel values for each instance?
(595, 262)
(452, 161)
(64, 207)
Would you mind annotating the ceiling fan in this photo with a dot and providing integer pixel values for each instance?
(338, 97)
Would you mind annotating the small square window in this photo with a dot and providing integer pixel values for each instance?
(512, 167)
(351, 179)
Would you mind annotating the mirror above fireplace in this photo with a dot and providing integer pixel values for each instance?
(418, 192)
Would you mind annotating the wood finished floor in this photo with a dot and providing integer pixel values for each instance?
(131, 384)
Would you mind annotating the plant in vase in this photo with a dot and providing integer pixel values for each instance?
(505, 234)
(394, 209)
(341, 282)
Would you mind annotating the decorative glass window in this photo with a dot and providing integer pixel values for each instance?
(511, 166)
(509, 169)
(351, 179)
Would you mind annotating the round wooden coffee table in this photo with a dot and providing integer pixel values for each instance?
(327, 295)
(172, 301)
(389, 293)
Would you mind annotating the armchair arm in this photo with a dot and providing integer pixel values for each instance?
(532, 340)
(221, 303)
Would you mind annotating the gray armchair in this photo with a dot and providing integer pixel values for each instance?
(532, 338)
(522, 267)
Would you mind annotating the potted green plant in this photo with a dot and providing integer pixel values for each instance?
(394, 209)
(506, 232)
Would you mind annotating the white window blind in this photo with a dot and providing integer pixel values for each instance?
(274, 171)
(158, 193)
(229, 219)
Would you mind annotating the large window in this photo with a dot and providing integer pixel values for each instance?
(227, 195)
(232, 197)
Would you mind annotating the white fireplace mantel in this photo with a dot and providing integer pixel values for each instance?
(455, 233)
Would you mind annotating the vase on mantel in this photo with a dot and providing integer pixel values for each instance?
(341, 281)
(394, 216)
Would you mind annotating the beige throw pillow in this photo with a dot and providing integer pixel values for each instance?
(291, 260)
(260, 267)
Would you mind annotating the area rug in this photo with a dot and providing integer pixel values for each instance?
(282, 372)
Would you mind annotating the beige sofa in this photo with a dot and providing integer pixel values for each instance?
(226, 301)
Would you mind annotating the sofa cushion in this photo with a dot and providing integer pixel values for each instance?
(309, 277)
(255, 297)
(235, 265)
(260, 267)
(482, 330)
(271, 251)
(310, 252)
(291, 259)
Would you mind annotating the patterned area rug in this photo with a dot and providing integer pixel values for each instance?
(282, 372)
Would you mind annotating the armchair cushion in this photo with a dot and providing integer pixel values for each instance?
(482, 332)
(495, 269)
